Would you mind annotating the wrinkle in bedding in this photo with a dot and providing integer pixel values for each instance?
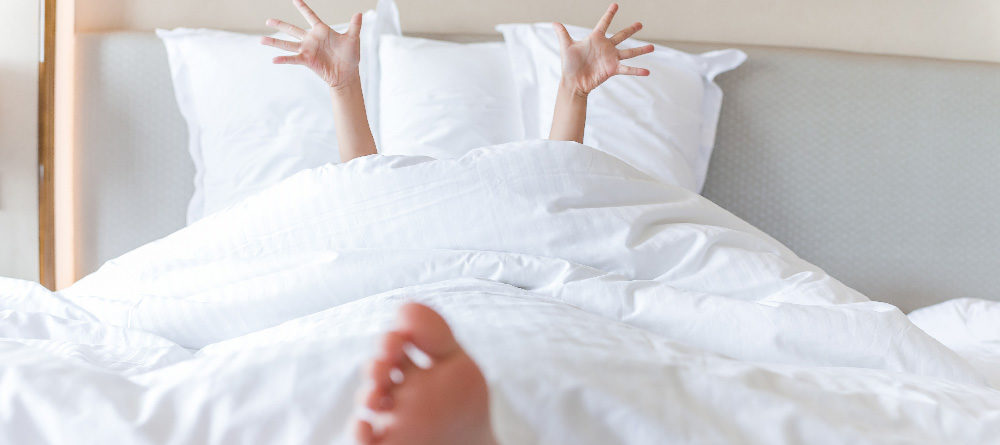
(253, 323)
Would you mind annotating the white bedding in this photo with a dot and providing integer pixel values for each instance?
(604, 307)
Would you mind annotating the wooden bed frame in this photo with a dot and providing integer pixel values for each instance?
(46, 148)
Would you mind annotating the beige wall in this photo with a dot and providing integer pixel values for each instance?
(957, 29)
(19, 139)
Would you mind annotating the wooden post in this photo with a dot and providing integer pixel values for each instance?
(46, 144)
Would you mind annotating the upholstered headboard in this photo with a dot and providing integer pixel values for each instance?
(879, 169)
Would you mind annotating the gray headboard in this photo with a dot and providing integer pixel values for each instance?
(879, 169)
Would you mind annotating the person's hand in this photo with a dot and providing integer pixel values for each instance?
(587, 63)
(331, 55)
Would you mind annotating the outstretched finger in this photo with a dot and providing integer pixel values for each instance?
(605, 22)
(289, 60)
(280, 44)
(624, 34)
(307, 12)
(355, 28)
(563, 35)
(632, 71)
(634, 52)
(286, 28)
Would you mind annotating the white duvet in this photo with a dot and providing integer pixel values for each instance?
(602, 306)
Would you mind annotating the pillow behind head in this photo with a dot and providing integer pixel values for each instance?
(442, 99)
(252, 123)
(663, 125)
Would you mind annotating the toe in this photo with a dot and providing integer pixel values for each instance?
(364, 433)
(380, 373)
(427, 330)
(393, 352)
(378, 401)
(392, 348)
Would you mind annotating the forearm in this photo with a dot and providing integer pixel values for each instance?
(354, 136)
(570, 117)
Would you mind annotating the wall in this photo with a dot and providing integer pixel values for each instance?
(957, 29)
(64, 152)
(19, 139)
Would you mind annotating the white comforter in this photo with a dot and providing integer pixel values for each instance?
(603, 307)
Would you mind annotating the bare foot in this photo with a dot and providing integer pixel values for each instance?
(435, 398)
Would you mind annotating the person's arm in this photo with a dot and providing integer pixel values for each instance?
(335, 57)
(586, 64)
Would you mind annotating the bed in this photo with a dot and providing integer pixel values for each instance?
(887, 191)
(784, 306)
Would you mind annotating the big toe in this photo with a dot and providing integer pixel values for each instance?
(427, 330)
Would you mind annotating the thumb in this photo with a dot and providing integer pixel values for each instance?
(355, 27)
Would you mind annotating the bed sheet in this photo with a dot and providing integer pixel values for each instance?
(968, 326)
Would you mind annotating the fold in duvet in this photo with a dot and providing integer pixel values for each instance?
(603, 307)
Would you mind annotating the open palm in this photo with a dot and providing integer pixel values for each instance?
(587, 63)
(331, 55)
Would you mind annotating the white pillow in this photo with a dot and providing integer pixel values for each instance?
(442, 99)
(663, 125)
(252, 123)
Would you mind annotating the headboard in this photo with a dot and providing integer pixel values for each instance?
(879, 169)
